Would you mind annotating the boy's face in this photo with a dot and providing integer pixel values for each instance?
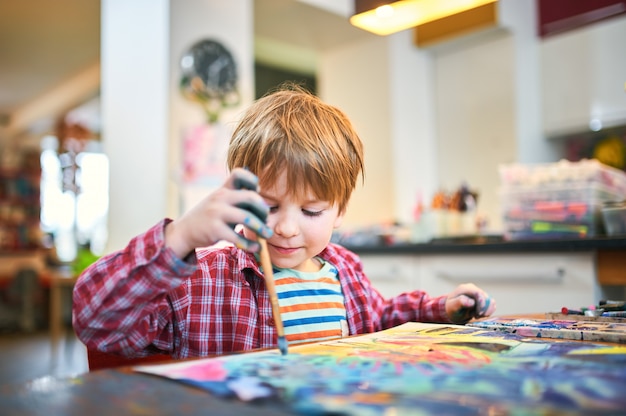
(302, 227)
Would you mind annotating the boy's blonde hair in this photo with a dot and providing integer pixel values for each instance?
(293, 130)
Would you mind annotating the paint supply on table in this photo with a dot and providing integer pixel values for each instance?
(564, 328)
(614, 314)
(568, 311)
(606, 310)
(594, 312)
(613, 305)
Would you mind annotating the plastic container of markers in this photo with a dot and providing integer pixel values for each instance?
(556, 201)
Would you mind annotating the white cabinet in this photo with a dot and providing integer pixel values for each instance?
(583, 75)
(520, 283)
(392, 274)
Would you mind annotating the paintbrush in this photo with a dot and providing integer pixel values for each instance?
(268, 272)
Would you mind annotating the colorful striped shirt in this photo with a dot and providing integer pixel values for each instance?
(311, 304)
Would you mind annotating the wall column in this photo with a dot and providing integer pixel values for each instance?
(143, 114)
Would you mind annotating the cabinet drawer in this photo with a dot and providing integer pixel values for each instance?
(520, 283)
(391, 275)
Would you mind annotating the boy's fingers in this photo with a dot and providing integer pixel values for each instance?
(490, 307)
(258, 210)
(243, 179)
(255, 218)
(245, 244)
(246, 180)
(467, 301)
(463, 308)
(252, 245)
(467, 306)
(244, 183)
(259, 227)
(485, 305)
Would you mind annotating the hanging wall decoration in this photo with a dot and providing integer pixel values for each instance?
(209, 77)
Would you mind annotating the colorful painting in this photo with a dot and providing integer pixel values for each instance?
(204, 155)
(418, 369)
(604, 331)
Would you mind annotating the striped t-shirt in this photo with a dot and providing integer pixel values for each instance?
(311, 304)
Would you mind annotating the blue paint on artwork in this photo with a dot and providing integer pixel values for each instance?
(438, 370)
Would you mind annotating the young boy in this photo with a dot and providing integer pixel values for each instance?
(163, 294)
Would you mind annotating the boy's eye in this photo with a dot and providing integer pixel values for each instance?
(309, 213)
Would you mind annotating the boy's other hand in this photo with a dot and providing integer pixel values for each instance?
(213, 218)
(468, 301)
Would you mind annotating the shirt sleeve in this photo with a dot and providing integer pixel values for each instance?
(414, 306)
(120, 303)
(368, 310)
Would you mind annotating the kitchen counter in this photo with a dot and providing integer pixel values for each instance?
(494, 244)
(553, 273)
(602, 258)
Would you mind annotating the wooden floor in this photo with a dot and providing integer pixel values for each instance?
(28, 356)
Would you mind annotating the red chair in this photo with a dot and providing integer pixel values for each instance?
(100, 360)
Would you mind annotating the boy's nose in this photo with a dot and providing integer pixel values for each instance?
(286, 226)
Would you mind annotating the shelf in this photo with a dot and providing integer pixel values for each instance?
(20, 206)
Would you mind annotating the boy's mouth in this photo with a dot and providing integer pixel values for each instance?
(285, 250)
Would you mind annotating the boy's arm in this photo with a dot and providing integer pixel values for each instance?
(120, 302)
(378, 313)
(467, 301)
(415, 306)
(124, 302)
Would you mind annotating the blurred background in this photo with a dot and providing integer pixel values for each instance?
(96, 133)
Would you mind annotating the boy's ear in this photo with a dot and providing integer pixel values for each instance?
(338, 221)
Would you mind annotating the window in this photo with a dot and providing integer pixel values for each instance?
(74, 215)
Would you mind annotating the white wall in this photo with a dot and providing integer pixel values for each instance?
(135, 113)
(384, 86)
(356, 78)
(452, 113)
(414, 162)
(143, 113)
(475, 118)
(429, 118)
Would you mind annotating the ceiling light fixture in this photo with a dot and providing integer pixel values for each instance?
(386, 17)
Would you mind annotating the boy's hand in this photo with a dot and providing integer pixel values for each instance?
(214, 217)
(468, 301)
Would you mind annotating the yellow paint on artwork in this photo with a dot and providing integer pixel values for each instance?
(601, 351)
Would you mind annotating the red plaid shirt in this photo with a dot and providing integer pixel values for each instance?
(144, 300)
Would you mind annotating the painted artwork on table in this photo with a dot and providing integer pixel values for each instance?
(418, 369)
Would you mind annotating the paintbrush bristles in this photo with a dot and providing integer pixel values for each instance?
(268, 273)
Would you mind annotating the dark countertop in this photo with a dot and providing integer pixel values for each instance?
(493, 244)
(121, 392)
